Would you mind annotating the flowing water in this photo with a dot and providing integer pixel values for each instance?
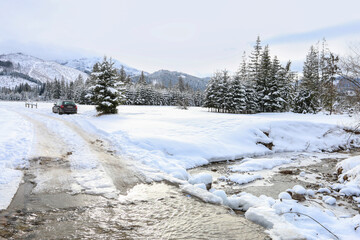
(148, 211)
(319, 169)
(154, 211)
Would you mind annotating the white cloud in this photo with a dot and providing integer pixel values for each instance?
(192, 36)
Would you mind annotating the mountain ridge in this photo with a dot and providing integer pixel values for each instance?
(20, 68)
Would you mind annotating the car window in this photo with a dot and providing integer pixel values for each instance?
(68, 103)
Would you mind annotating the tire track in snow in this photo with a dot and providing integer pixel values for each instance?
(96, 168)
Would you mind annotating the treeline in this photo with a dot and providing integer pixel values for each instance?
(139, 93)
(143, 93)
(262, 84)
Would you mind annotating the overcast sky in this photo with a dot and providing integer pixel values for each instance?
(192, 36)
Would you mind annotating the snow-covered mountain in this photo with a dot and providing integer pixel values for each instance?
(171, 78)
(86, 65)
(19, 68)
(22, 67)
(164, 77)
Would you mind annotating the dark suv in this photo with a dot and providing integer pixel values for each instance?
(64, 106)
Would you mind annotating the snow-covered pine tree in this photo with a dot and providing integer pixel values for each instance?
(328, 70)
(238, 92)
(122, 75)
(262, 83)
(255, 60)
(128, 80)
(210, 92)
(286, 86)
(221, 93)
(70, 91)
(229, 105)
(304, 102)
(62, 88)
(142, 80)
(108, 91)
(330, 93)
(310, 84)
(79, 88)
(275, 101)
(56, 90)
(249, 84)
(181, 84)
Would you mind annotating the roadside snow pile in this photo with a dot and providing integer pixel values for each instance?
(250, 164)
(349, 176)
(15, 145)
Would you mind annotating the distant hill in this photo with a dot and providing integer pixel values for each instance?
(86, 65)
(171, 78)
(163, 77)
(16, 68)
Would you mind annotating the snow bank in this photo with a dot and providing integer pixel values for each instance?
(250, 164)
(201, 178)
(244, 178)
(172, 140)
(15, 144)
(349, 177)
(287, 219)
(202, 194)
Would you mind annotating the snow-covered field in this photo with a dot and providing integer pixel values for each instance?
(164, 142)
(15, 145)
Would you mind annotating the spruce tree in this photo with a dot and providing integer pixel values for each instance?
(210, 100)
(330, 94)
(248, 81)
(142, 80)
(181, 84)
(286, 86)
(238, 92)
(262, 82)
(310, 84)
(122, 74)
(255, 60)
(108, 91)
(276, 80)
(56, 90)
(222, 90)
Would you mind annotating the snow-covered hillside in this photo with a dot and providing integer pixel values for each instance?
(86, 65)
(168, 78)
(12, 81)
(40, 69)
